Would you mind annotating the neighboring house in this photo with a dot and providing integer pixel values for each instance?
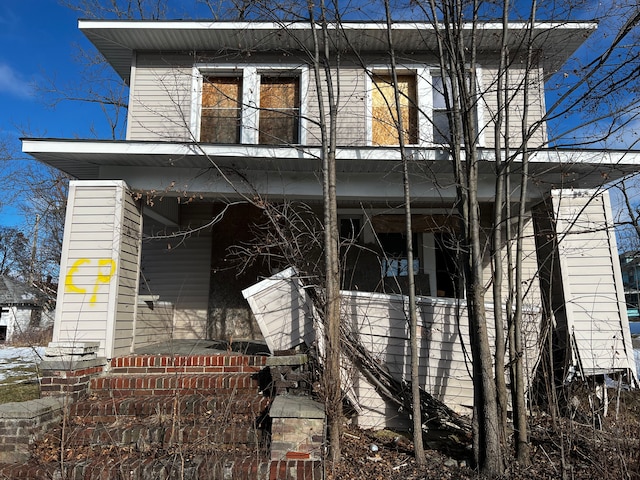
(221, 112)
(630, 267)
(23, 308)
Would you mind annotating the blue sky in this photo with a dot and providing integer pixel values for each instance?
(37, 39)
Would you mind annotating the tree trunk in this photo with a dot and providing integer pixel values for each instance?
(418, 446)
(331, 378)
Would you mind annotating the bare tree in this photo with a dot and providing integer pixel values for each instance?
(397, 116)
(14, 253)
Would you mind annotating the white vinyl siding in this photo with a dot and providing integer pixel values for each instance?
(514, 84)
(160, 98)
(381, 326)
(98, 267)
(154, 321)
(592, 283)
(162, 88)
(129, 269)
(177, 271)
(282, 311)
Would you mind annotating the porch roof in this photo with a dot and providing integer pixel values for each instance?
(95, 159)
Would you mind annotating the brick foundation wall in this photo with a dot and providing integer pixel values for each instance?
(296, 438)
(296, 470)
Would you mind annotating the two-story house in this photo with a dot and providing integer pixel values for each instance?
(225, 114)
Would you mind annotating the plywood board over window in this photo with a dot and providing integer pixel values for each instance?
(279, 110)
(221, 102)
(384, 125)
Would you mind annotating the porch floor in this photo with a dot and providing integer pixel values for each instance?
(205, 347)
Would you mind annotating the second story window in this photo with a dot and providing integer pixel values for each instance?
(384, 125)
(443, 100)
(441, 129)
(279, 117)
(221, 109)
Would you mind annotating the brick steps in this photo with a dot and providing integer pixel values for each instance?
(157, 417)
(160, 417)
(126, 385)
(109, 410)
(224, 465)
(160, 364)
(199, 434)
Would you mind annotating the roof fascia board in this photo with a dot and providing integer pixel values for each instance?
(88, 147)
(242, 26)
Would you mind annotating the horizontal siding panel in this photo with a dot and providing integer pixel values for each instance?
(99, 212)
(93, 201)
(598, 269)
(106, 193)
(93, 255)
(160, 98)
(91, 232)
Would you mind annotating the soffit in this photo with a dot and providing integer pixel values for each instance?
(549, 168)
(117, 40)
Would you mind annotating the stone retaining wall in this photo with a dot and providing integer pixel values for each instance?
(22, 422)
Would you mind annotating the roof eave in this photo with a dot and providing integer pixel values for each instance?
(117, 40)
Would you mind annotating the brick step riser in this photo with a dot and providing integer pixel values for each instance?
(252, 363)
(112, 385)
(109, 410)
(158, 438)
(213, 370)
(136, 468)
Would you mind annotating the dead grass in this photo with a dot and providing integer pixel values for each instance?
(32, 337)
(19, 392)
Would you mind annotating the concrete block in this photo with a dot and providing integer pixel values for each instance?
(285, 406)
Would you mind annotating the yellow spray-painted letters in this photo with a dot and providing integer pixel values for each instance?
(106, 268)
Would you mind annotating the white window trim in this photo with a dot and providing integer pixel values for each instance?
(424, 93)
(435, 72)
(250, 74)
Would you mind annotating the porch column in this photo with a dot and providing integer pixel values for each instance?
(99, 269)
(588, 302)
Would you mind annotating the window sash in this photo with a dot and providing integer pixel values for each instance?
(441, 127)
(220, 119)
(279, 110)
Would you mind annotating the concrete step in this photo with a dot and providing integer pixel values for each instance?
(108, 410)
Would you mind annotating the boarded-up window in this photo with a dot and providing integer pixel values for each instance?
(221, 107)
(384, 128)
(279, 110)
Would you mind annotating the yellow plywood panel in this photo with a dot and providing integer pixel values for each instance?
(384, 127)
(279, 92)
(221, 92)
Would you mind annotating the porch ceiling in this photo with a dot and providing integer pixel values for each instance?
(88, 160)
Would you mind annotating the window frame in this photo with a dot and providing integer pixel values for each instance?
(250, 75)
(436, 73)
(424, 74)
(239, 101)
(278, 74)
(423, 95)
